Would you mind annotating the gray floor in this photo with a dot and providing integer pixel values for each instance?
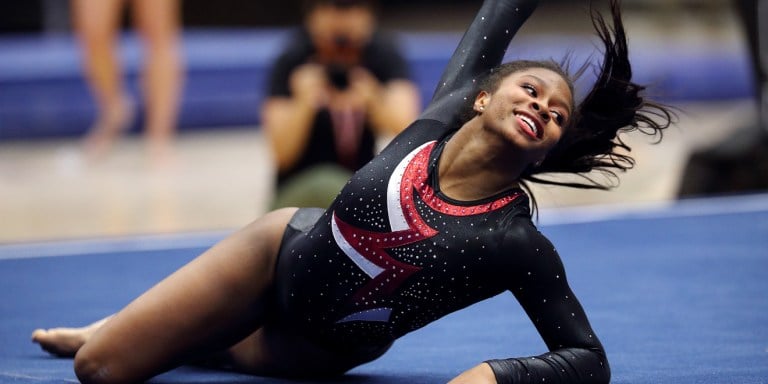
(221, 179)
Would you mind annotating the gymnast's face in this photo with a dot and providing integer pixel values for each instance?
(529, 110)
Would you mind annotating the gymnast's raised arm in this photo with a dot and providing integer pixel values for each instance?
(482, 48)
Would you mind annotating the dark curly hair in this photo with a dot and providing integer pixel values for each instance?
(614, 105)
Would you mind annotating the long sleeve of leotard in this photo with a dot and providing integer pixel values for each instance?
(481, 48)
(539, 283)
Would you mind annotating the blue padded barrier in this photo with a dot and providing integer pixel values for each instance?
(43, 93)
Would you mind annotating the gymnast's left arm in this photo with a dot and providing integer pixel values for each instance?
(539, 284)
(481, 48)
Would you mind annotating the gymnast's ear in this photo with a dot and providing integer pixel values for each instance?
(481, 101)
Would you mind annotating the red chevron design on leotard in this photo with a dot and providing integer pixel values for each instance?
(368, 248)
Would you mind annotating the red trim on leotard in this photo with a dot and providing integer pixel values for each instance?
(415, 177)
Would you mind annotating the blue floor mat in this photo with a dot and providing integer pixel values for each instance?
(676, 298)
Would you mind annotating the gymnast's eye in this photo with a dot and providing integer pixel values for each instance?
(559, 118)
(530, 89)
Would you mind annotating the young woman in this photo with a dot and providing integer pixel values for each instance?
(436, 222)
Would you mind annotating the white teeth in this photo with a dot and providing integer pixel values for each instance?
(530, 123)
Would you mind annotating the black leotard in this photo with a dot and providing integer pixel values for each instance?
(393, 253)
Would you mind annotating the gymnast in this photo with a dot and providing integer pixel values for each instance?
(439, 220)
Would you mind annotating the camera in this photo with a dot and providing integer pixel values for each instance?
(338, 70)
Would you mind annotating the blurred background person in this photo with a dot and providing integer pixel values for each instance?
(738, 164)
(97, 23)
(339, 86)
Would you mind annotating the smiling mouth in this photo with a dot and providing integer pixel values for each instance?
(528, 125)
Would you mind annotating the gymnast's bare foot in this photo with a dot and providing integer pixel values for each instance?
(65, 342)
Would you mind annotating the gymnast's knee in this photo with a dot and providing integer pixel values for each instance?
(91, 368)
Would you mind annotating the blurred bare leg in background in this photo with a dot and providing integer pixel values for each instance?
(96, 23)
(158, 22)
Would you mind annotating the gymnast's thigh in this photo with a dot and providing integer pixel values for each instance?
(277, 349)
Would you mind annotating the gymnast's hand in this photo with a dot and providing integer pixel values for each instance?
(479, 374)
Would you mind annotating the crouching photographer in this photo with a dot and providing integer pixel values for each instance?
(340, 85)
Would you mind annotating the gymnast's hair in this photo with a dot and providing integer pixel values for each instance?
(591, 142)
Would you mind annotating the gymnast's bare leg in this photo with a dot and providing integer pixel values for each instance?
(216, 301)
